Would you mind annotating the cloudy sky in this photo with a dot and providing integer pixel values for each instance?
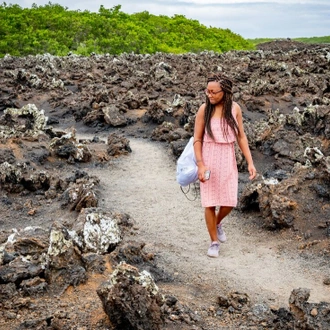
(250, 19)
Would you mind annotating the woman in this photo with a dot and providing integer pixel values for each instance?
(218, 125)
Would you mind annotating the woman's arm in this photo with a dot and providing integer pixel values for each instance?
(243, 142)
(198, 141)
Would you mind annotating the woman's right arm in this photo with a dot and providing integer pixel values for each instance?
(198, 141)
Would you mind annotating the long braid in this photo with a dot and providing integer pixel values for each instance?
(227, 101)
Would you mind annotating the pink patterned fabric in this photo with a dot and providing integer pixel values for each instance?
(219, 157)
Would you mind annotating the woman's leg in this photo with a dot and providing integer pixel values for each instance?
(211, 223)
(223, 212)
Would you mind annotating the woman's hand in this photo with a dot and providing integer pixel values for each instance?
(201, 171)
(253, 172)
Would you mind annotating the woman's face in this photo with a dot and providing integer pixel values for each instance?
(214, 92)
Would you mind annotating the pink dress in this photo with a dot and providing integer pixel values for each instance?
(219, 157)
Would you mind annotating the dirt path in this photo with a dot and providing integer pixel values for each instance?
(251, 261)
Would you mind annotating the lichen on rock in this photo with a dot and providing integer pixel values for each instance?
(96, 230)
(26, 121)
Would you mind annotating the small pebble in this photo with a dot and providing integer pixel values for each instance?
(314, 312)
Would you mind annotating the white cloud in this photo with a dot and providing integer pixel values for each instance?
(267, 20)
(207, 2)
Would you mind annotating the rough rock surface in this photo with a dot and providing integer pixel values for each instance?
(142, 312)
(57, 246)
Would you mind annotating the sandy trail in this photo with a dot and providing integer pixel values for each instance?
(143, 185)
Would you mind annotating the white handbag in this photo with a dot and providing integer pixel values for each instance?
(186, 167)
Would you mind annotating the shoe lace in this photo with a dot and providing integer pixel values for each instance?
(214, 246)
(220, 230)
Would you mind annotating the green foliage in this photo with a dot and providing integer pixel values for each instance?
(56, 30)
(315, 40)
(312, 40)
(258, 41)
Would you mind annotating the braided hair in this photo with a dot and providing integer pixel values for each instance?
(227, 120)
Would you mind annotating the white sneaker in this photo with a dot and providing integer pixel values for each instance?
(221, 234)
(213, 250)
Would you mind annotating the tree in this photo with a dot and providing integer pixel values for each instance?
(56, 30)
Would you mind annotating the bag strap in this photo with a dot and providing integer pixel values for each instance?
(185, 192)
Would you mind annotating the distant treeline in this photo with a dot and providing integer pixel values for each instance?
(312, 40)
(56, 30)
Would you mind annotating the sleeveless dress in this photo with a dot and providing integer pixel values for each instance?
(219, 157)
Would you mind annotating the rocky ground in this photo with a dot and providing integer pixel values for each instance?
(71, 129)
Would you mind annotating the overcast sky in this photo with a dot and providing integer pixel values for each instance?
(250, 19)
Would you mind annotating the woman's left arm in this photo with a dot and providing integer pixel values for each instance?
(243, 142)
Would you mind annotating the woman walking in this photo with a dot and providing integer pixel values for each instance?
(218, 125)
